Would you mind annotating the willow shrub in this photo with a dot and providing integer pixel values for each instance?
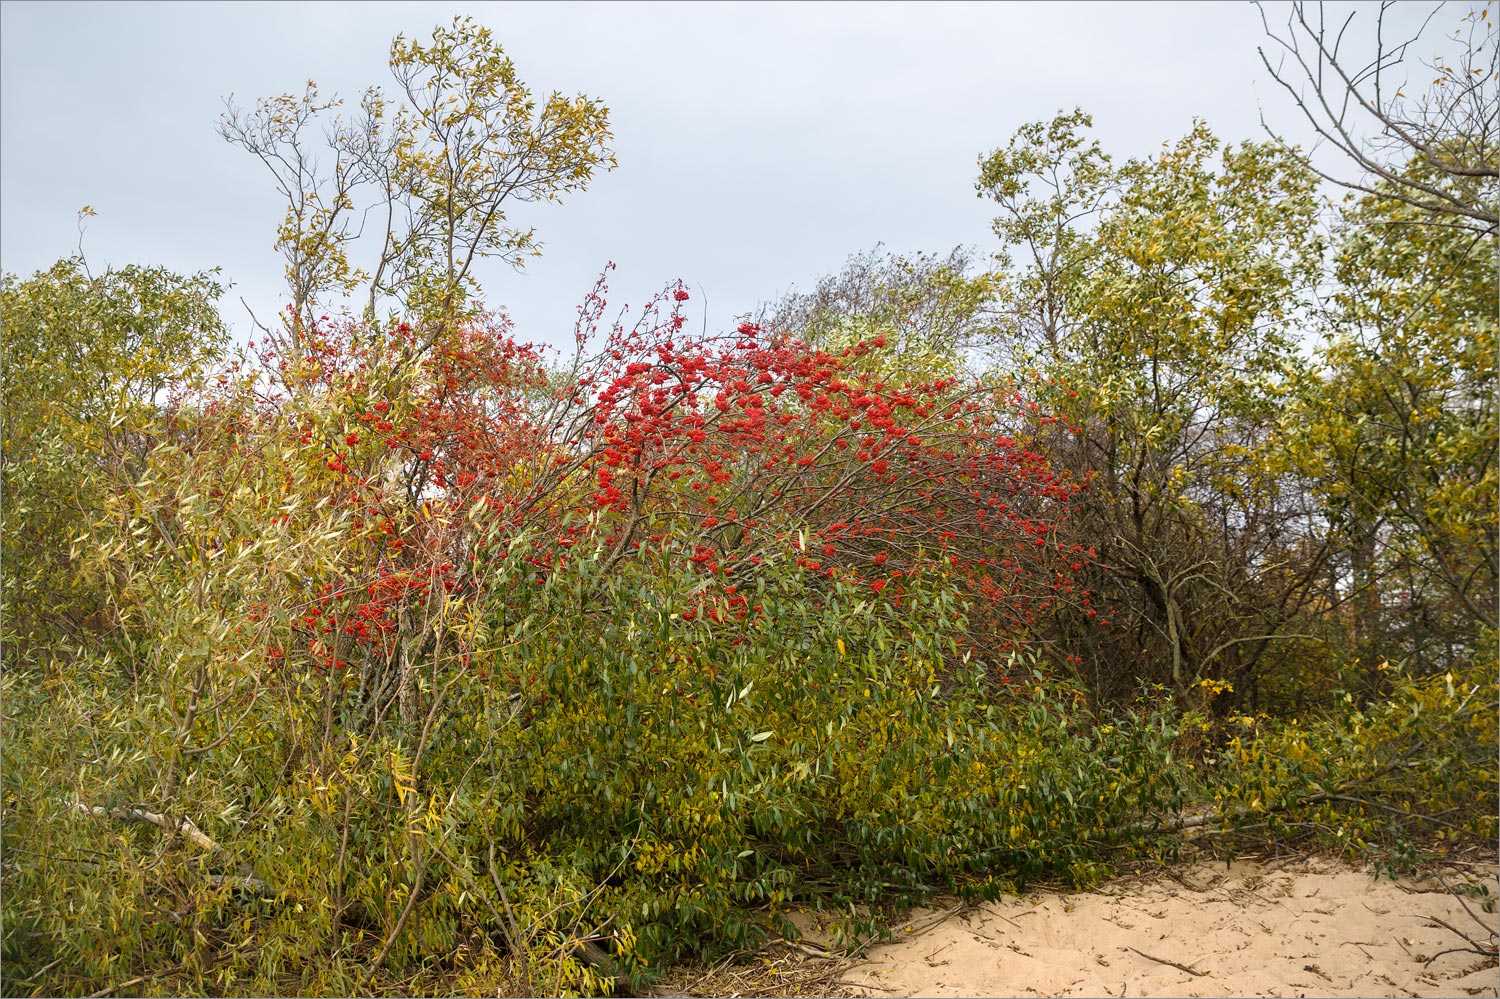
(608, 769)
(1393, 780)
(846, 752)
(648, 753)
(606, 766)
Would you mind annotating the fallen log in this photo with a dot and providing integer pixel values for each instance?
(184, 826)
(187, 828)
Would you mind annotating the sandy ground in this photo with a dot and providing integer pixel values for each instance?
(1309, 928)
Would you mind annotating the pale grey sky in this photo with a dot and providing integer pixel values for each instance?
(759, 144)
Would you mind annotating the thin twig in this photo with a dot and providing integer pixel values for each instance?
(32, 978)
(1170, 964)
(115, 988)
(935, 919)
(518, 946)
(1460, 899)
(1474, 945)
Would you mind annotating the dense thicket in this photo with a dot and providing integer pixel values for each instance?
(392, 653)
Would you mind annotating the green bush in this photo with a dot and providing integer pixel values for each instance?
(610, 770)
(666, 783)
(1391, 781)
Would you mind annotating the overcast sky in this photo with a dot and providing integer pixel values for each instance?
(759, 145)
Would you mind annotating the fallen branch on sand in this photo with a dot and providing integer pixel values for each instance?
(1170, 964)
(1474, 946)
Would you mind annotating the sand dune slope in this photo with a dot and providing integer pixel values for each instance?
(1314, 928)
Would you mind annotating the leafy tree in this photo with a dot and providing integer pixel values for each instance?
(391, 659)
(1050, 182)
(933, 312)
(1157, 303)
(442, 167)
(88, 363)
(1400, 434)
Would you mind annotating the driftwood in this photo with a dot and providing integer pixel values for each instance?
(591, 953)
(112, 989)
(188, 829)
(184, 826)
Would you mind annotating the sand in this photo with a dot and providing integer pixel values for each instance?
(1309, 928)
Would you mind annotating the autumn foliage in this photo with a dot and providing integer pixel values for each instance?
(715, 453)
(396, 654)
